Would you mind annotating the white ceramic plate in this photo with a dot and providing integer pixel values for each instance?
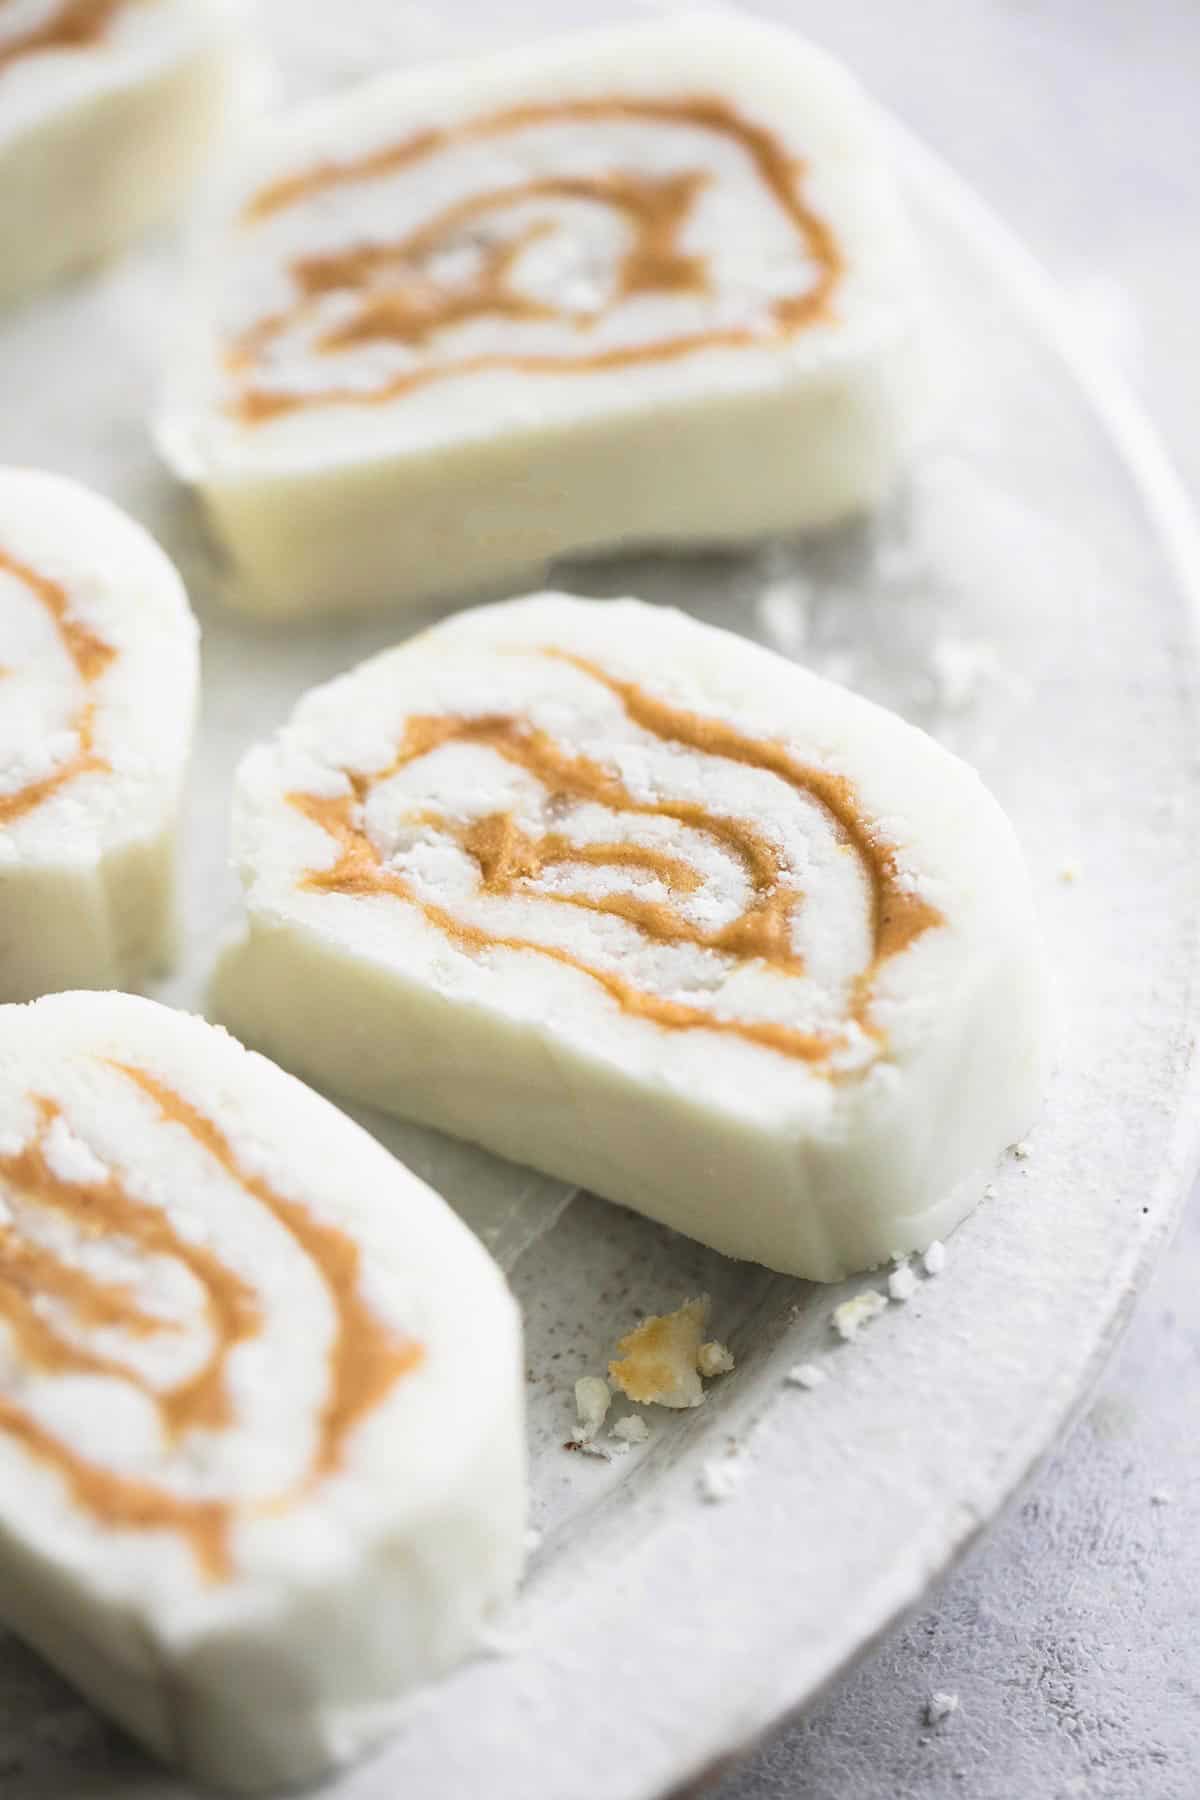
(1029, 597)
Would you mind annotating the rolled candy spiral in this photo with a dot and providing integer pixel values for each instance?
(106, 108)
(98, 673)
(643, 285)
(630, 899)
(260, 1394)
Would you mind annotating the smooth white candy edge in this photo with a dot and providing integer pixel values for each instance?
(91, 912)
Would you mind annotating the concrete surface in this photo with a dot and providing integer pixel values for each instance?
(1072, 1636)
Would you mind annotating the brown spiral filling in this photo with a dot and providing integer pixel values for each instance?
(399, 297)
(91, 657)
(73, 25)
(508, 858)
(366, 1359)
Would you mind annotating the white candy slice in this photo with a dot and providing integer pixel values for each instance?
(261, 1454)
(640, 286)
(630, 899)
(106, 108)
(98, 673)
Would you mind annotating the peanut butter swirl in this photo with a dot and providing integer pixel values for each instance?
(91, 656)
(366, 1358)
(72, 25)
(399, 296)
(509, 858)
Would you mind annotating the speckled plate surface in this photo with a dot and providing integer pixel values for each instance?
(1030, 597)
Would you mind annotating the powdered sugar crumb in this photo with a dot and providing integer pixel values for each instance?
(720, 1479)
(585, 1447)
(902, 1283)
(714, 1359)
(592, 1400)
(850, 1317)
(939, 1706)
(806, 1375)
(935, 1258)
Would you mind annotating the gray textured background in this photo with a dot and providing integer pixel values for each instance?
(1073, 1635)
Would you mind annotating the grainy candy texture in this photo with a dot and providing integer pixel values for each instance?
(261, 1396)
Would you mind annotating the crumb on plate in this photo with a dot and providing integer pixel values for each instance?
(902, 1283)
(658, 1364)
(850, 1317)
(720, 1479)
(939, 1706)
(806, 1375)
(587, 1447)
(592, 1399)
(714, 1359)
